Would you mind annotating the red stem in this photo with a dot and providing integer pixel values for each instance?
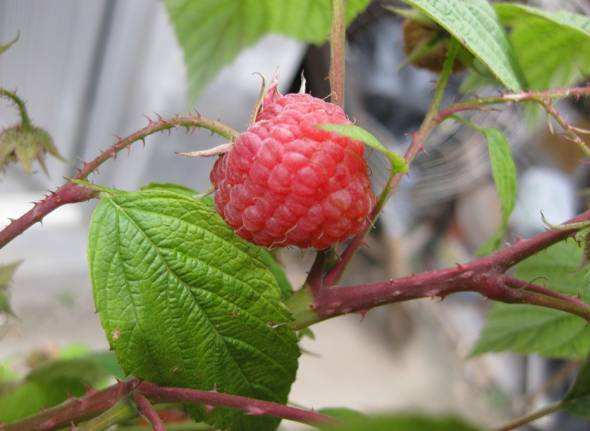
(484, 275)
(520, 284)
(94, 403)
(336, 301)
(358, 240)
(250, 406)
(74, 410)
(147, 411)
(72, 193)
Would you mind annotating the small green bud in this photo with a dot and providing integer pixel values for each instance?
(24, 144)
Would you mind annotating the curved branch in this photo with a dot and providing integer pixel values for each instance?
(484, 276)
(517, 423)
(251, 406)
(74, 410)
(20, 104)
(94, 403)
(72, 193)
(525, 96)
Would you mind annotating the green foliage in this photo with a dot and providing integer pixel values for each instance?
(6, 46)
(398, 163)
(504, 173)
(475, 25)
(54, 381)
(213, 32)
(25, 144)
(552, 48)
(343, 414)
(185, 302)
(266, 257)
(172, 188)
(577, 400)
(403, 422)
(6, 274)
(529, 329)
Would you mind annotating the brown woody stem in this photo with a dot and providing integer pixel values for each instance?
(72, 193)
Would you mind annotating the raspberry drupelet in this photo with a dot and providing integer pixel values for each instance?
(286, 182)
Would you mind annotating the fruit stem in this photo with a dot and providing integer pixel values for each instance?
(417, 144)
(338, 52)
(25, 120)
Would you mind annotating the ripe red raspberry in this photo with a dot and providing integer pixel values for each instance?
(286, 182)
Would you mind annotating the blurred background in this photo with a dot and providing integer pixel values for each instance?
(90, 71)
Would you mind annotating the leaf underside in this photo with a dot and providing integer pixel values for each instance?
(213, 32)
(475, 25)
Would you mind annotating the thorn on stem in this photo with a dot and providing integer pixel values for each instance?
(255, 411)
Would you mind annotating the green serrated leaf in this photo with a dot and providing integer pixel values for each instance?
(527, 329)
(185, 302)
(404, 422)
(278, 272)
(504, 174)
(411, 14)
(398, 163)
(171, 187)
(553, 48)
(475, 25)
(213, 32)
(503, 170)
(6, 46)
(266, 257)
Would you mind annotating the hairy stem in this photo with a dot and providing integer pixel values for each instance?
(393, 181)
(338, 52)
(20, 104)
(531, 417)
(72, 193)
